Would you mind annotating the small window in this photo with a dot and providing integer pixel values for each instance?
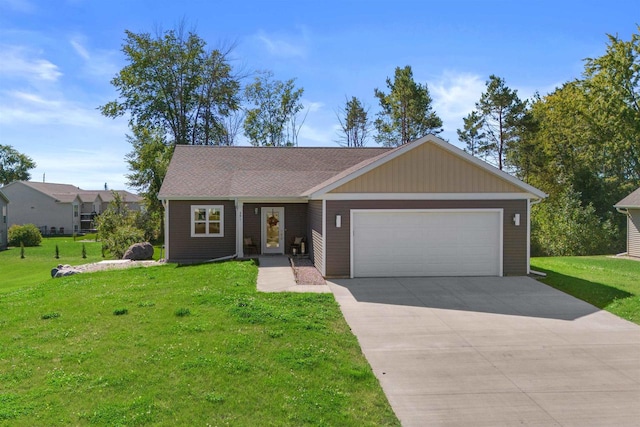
(207, 221)
(75, 211)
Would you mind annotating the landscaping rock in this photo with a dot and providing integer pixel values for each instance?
(139, 252)
(64, 270)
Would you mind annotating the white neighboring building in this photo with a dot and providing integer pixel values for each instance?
(60, 208)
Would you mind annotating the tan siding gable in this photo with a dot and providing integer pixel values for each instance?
(428, 169)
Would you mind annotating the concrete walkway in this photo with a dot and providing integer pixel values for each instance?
(276, 275)
(494, 352)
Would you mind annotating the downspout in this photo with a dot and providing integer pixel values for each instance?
(165, 205)
(530, 203)
(238, 230)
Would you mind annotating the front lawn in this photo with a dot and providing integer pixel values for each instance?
(174, 345)
(39, 260)
(612, 284)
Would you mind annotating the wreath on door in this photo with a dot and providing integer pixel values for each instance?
(272, 220)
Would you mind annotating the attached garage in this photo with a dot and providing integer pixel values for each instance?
(426, 242)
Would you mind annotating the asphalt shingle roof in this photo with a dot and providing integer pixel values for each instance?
(67, 193)
(631, 201)
(205, 171)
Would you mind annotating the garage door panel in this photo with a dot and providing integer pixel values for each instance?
(427, 243)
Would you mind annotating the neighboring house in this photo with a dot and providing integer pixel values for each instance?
(630, 206)
(426, 208)
(60, 208)
(4, 227)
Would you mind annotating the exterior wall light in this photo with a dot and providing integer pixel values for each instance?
(338, 221)
(516, 220)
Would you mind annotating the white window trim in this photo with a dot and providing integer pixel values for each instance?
(207, 234)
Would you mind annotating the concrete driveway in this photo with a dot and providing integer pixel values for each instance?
(494, 352)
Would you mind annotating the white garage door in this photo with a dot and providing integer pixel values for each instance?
(427, 243)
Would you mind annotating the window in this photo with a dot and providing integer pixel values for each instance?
(207, 221)
(75, 211)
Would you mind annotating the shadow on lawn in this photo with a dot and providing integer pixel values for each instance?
(516, 296)
(594, 293)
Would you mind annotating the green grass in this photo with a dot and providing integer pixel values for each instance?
(198, 345)
(39, 260)
(612, 284)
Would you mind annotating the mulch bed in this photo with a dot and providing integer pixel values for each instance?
(305, 272)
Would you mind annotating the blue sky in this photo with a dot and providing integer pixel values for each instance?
(57, 58)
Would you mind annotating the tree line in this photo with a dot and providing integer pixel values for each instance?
(579, 143)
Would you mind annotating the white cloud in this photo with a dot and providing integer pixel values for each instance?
(99, 63)
(19, 108)
(455, 94)
(78, 46)
(284, 45)
(19, 62)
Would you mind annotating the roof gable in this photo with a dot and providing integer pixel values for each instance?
(429, 165)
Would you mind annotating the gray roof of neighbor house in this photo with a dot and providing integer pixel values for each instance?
(67, 193)
(3, 197)
(631, 201)
(205, 171)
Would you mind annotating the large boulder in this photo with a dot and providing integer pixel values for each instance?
(139, 252)
(64, 270)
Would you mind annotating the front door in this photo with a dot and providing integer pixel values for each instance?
(272, 230)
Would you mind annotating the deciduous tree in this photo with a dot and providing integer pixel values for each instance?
(14, 166)
(273, 120)
(173, 82)
(406, 113)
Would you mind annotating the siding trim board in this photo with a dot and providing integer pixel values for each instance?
(427, 196)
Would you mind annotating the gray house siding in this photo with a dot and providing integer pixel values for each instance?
(183, 247)
(295, 222)
(338, 239)
(315, 233)
(4, 226)
(633, 233)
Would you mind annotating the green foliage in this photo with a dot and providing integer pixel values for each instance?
(14, 166)
(563, 226)
(120, 311)
(84, 250)
(174, 83)
(272, 122)
(497, 123)
(116, 227)
(355, 126)
(406, 112)
(148, 163)
(27, 235)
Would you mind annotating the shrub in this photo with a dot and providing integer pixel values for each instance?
(117, 229)
(120, 311)
(27, 234)
(562, 226)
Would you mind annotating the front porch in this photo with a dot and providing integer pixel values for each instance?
(273, 228)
